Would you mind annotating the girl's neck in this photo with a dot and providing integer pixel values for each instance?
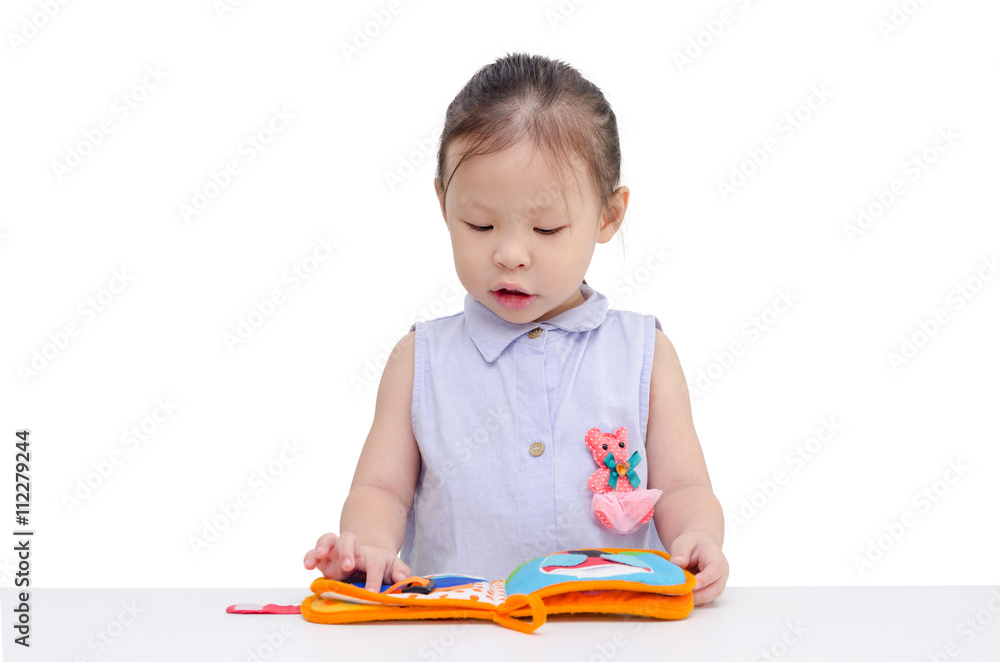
(575, 300)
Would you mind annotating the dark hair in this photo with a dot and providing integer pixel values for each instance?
(547, 102)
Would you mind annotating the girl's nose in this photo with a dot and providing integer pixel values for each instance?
(510, 253)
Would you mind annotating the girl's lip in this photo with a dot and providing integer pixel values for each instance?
(509, 286)
(513, 301)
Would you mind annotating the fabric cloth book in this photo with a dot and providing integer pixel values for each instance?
(639, 582)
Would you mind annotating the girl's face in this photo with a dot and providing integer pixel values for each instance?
(514, 225)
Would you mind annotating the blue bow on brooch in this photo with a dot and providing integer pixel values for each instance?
(625, 468)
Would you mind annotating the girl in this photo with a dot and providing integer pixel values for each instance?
(483, 453)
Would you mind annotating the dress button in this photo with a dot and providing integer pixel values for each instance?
(534, 333)
(536, 448)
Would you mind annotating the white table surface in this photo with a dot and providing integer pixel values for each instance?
(746, 623)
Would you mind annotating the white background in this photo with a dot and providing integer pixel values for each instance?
(309, 371)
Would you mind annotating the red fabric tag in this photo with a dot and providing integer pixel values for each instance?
(245, 608)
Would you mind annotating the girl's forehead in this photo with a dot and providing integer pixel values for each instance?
(487, 184)
(520, 155)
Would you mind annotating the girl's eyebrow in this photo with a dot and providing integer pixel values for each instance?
(473, 203)
(537, 208)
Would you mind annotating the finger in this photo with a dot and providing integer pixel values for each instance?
(310, 559)
(711, 581)
(375, 567)
(325, 543)
(702, 596)
(683, 552)
(331, 569)
(349, 551)
(712, 565)
(707, 576)
(398, 571)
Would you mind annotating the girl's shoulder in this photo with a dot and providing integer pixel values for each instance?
(624, 317)
(446, 319)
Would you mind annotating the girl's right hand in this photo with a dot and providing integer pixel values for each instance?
(339, 557)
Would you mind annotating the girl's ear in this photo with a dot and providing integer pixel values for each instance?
(439, 192)
(612, 219)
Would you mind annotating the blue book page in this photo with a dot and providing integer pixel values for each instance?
(593, 565)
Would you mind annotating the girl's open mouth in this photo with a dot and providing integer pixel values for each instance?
(512, 299)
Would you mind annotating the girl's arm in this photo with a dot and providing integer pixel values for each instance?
(373, 522)
(381, 493)
(688, 516)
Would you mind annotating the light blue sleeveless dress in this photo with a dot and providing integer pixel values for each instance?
(500, 412)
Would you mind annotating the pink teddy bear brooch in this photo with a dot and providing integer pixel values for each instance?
(619, 503)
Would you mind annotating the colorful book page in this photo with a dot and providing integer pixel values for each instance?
(592, 565)
(452, 587)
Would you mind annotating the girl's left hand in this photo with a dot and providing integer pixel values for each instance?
(701, 555)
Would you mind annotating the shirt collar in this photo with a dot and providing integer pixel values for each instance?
(492, 334)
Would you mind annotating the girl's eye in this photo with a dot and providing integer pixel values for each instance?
(479, 228)
(605, 447)
(549, 232)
